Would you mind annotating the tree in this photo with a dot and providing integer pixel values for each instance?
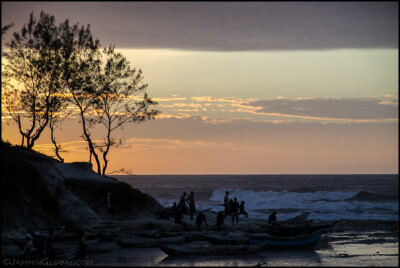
(107, 92)
(55, 121)
(123, 99)
(49, 67)
(31, 76)
(81, 68)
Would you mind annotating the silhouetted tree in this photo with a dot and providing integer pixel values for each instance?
(123, 99)
(49, 67)
(81, 69)
(55, 122)
(31, 76)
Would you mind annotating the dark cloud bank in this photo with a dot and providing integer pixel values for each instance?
(226, 26)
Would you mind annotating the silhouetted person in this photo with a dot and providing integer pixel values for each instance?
(235, 211)
(242, 211)
(230, 207)
(220, 219)
(182, 205)
(178, 219)
(226, 202)
(38, 244)
(272, 218)
(28, 246)
(81, 254)
(190, 201)
(174, 210)
(199, 220)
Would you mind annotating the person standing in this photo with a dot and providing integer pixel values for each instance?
(242, 211)
(39, 245)
(230, 207)
(81, 254)
(235, 211)
(190, 201)
(28, 246)
(226, 202)
(182, 205)
(178, 219)
(174, 210)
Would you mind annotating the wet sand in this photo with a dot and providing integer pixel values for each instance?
(350, 243)
(364, 243)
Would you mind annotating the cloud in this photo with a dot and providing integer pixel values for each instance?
(366, 109)
(139, 144)
(75, 146)
(172, 98)
(231, 26)
(193, 105)
(235, 145)
(335, 109)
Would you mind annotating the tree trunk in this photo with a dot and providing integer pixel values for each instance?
(91, 147)
(56, 147)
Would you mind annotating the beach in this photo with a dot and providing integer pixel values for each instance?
(360, 211)
(350, 243)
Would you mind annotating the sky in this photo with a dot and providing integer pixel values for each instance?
(245, 87)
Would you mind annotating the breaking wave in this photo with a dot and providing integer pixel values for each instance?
(323, 205)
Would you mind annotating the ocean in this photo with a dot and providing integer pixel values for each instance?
(326, 197)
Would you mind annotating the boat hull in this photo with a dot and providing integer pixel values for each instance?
(285, 231)
(293, 242)
(175, 250)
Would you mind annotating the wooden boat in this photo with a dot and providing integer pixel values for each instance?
(174, 250)
(298, 220)
(289, 242)
(224, 239)
(280, 230)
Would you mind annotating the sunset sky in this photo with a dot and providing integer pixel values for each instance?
(245, 88)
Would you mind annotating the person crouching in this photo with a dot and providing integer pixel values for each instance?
(199, 220)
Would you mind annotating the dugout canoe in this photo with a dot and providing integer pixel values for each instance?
(177, 250)
(289, 242)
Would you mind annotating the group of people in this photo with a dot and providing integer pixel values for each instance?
(38, 247)
(178, 210)
(233, 208)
